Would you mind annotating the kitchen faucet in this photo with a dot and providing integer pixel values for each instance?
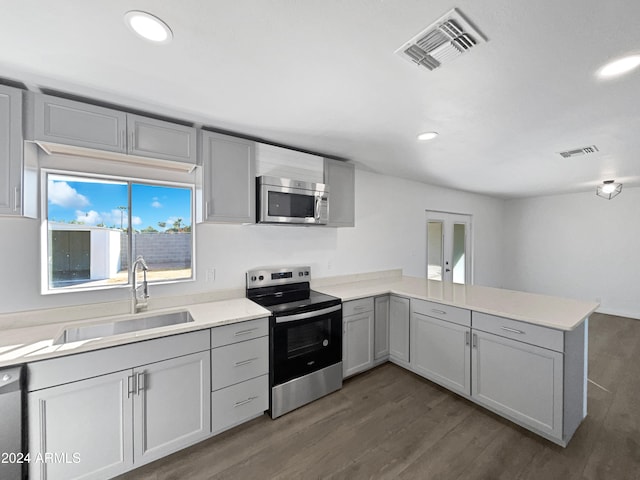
(139, 302)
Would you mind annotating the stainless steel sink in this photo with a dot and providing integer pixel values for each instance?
(99, 330)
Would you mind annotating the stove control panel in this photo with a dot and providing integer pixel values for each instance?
(269, 276)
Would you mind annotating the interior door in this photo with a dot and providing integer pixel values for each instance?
(449, 247)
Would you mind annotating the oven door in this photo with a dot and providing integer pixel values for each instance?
(304, 343)
(281, 204)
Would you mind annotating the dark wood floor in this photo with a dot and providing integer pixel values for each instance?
(390, 423)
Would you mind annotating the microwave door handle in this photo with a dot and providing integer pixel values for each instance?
(317, 212)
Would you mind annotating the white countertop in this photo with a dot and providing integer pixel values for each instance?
(35, 342)
(28, 344)
(554, 312)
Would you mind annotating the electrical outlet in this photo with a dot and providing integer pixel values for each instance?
(211, 274)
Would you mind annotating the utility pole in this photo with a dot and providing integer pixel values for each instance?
(122, 210)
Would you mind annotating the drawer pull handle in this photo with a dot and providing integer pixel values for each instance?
(361, 307)
(245, 332)
(140, 382)
(246, 362)
(441, 312)
(130, 385)
(244, 402)
(512, 330)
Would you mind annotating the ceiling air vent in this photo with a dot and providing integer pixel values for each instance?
(578, 152)
(447, 38)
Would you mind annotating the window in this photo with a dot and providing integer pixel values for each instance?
(96, 224)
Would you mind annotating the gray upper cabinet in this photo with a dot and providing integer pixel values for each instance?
(59, 120)
(10, 150)
(340, 176)
(153, 138)
(228, 165)
(69, 122)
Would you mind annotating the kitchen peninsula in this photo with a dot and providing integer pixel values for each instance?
(521, 355)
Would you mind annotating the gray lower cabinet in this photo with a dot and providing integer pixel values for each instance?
(239, 373)
(521, 381)
(381, 328)
(70, 122)
(171, 406)
(228, 165)
(10, 150)
(440, 352)
(340, 177)
(357, 336)
(399, 316)
(93, 424)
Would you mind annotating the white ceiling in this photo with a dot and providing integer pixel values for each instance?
(322, 75)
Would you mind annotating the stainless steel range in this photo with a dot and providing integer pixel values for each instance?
(305, 336)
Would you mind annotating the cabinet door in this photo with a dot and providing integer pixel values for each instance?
(10, 150)
(519, 380)
(357, 344)
(172, 406)
(229, 179)
(381, 330)
(87, 424)
(153, 138)
(399, 328)
(340, 176)
(59, 120)
(440, 351)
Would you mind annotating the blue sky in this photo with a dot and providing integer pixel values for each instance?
(94, 202)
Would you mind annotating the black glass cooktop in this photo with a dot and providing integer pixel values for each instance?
(291, 299)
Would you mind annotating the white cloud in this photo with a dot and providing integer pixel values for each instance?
(110, 219)
(60, 193)
(88, 218)
(156, 204)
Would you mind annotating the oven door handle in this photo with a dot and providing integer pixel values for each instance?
(302, 316)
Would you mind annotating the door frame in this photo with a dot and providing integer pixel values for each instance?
(440, 215)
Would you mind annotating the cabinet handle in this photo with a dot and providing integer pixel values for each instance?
(130, 385)
(16, 199)
(140, 383)
(361, 307)
(244, 332)
(475, 341)
(466, 338)
(244, 402)
(512, 330)
(441, 312)
(245, 362)
(131, 142)
(123, 139)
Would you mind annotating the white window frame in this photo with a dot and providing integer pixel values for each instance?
(46, 289)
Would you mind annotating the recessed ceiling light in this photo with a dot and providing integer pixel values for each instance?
(619, 66)
(427, 136)
(148, 26)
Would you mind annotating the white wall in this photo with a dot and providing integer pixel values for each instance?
(576, 245)
(390, 233)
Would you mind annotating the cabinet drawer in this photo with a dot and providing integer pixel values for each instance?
(524, 332)
(238, 332)
(233, 405)
(461, 316)
(238, 362)
(357, 306)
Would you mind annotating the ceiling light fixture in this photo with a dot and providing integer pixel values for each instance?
(608, 189)
(619, 66)
(427, 136)
(149, 27)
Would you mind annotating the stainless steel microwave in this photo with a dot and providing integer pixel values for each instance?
(282, 200)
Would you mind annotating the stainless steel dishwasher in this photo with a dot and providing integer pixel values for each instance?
(12, 423)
